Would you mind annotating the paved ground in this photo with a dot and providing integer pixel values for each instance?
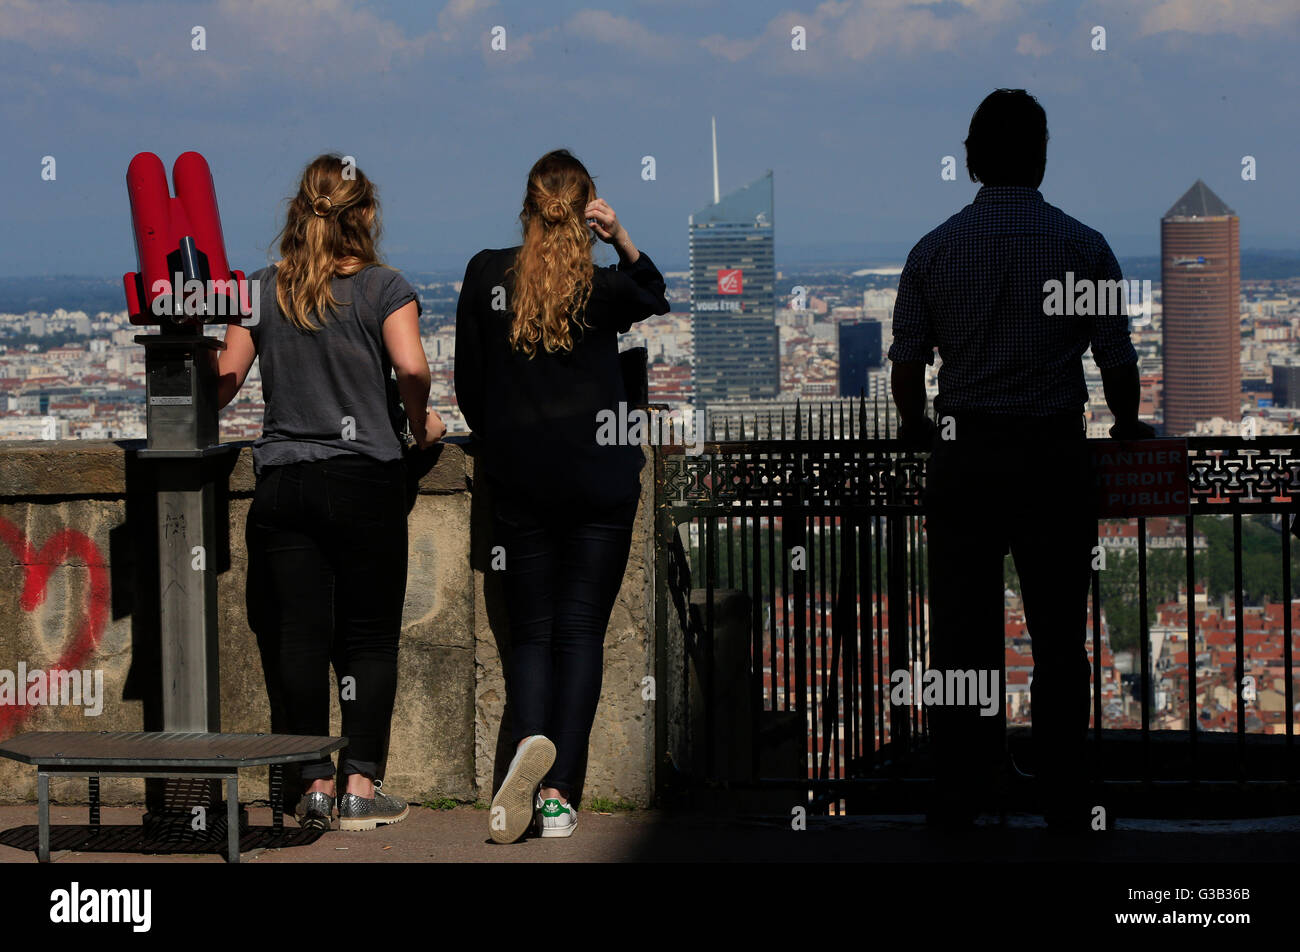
(460, 835)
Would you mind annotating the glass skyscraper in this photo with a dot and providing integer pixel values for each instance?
(860, 347)
(733, 297)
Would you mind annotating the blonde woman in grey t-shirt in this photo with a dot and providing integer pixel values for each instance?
(326, 530)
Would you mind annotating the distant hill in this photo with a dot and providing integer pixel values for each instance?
(1256, 265)
(89, 294)
(72, 293)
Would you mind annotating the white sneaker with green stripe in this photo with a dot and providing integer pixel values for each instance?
(513, 806)
(555, 818)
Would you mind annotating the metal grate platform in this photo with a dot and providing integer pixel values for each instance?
(165, 754)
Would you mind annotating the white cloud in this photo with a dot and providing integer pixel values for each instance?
(1030, 44)
(331, 33)
(861, 29)
(604, 27)
(457, 12)
(1240, 17)
(731, 48)
(324, 33)
(53, 23)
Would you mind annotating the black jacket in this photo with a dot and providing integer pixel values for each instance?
(536, 418)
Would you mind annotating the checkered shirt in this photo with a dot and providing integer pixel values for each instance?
(974, 288)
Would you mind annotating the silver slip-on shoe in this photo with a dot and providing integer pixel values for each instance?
(361, 813)
(512, 807)
(315, 811)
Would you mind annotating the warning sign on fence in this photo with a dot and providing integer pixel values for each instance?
(1141, 478)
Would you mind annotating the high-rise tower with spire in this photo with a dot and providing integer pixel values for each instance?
(733, 294)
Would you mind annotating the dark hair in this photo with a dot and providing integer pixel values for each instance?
(1007, 141)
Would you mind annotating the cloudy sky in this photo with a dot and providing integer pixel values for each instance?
(855, 126)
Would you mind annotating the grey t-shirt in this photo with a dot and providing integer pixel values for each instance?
(325, 392)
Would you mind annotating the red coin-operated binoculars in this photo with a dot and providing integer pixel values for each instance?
(183, 283)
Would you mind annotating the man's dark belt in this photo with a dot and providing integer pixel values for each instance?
(1063, 424)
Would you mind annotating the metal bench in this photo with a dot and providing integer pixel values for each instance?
(160, 754)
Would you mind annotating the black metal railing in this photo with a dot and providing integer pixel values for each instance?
(791, 580)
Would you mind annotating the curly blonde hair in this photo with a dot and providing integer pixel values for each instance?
(332, 229)
(553, 269)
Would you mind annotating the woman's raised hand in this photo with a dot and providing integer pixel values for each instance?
(608, 228)
(606, 224)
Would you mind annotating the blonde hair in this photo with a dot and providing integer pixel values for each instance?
(332, 229)
(553, 269)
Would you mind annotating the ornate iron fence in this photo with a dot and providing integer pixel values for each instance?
(791, 581)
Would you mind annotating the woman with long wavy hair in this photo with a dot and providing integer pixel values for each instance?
(536, 369)
(326, 531)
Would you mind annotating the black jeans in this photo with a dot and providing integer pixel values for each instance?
(327, 541)
(1030, 491)
(563, 570)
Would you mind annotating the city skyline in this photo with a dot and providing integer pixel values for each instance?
(708, 568)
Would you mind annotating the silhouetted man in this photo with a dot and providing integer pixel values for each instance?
(1009, 466)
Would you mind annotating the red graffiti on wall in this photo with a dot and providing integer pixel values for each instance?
(38, 565)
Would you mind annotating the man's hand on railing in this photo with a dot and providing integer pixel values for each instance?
(917, 434)
(1132, 430)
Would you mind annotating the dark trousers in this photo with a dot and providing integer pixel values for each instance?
(1025, 488)
(562, 574)
(327, 565)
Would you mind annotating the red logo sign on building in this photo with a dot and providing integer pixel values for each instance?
(730, 281)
